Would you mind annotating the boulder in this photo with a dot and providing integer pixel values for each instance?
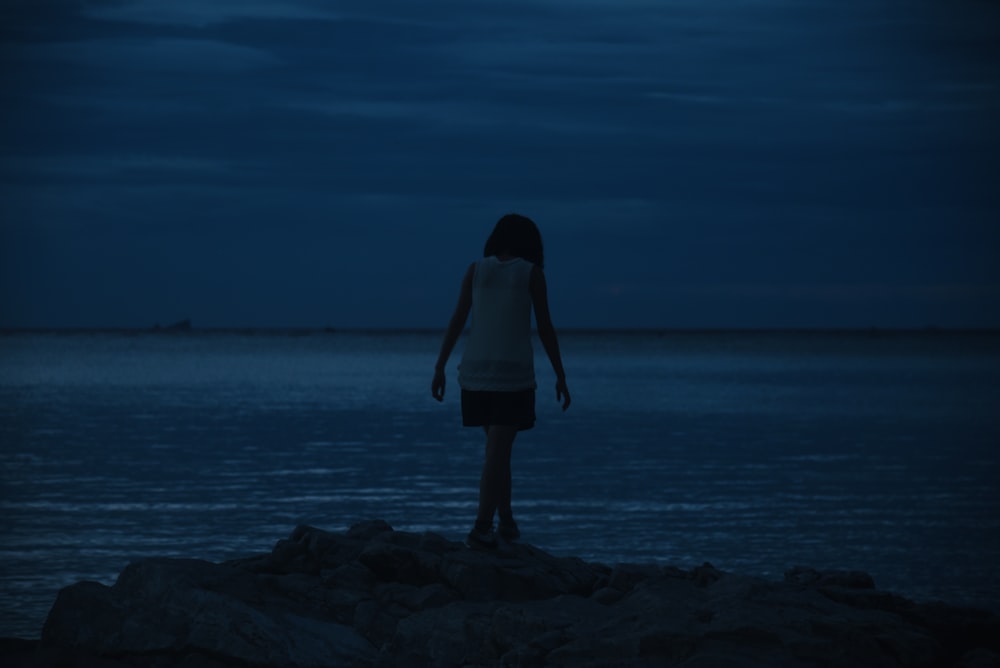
(372, 596)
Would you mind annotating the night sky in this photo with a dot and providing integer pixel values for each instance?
(313, 163)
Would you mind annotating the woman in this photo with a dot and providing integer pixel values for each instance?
(497, 374)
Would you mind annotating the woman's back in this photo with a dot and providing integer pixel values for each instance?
(498, 354)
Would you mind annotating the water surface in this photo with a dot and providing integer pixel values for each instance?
(754, 451)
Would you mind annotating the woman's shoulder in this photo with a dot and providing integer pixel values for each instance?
(494, 263)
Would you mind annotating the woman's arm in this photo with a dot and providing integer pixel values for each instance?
(455, 327)
(547, 332)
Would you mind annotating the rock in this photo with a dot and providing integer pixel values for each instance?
(812, 577)
(171, 606)
(373, 596)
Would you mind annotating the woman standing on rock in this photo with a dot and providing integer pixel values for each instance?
(497, 374)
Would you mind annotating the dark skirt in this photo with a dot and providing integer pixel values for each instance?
(485, 408)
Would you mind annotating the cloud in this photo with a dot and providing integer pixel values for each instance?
(201, 13)
(743, 147)
(156, 55)
(116, 168)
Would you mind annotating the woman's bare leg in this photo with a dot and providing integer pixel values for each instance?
(495, 482)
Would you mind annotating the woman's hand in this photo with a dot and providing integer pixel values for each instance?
(562, 393)
(437, 385)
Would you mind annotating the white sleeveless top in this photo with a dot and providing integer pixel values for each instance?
(498, 354)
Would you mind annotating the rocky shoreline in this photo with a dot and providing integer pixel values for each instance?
(373, 596)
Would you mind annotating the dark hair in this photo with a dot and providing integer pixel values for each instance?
(516, 235)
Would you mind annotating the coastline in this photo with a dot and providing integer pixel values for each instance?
(877, 457)
(372, 596)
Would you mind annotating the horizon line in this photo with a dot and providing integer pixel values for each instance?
(281, 329)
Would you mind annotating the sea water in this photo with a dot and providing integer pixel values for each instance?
(755, 451)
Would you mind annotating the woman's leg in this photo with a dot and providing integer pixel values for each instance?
(495, 482)
(504, 511)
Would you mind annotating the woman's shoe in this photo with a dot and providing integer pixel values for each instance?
(481, 539)
(509, 531)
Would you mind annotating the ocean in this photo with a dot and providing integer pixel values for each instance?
(755, 451)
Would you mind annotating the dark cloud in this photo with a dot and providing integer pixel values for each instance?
(258, 162)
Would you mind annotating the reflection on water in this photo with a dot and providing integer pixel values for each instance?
(754, 454)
